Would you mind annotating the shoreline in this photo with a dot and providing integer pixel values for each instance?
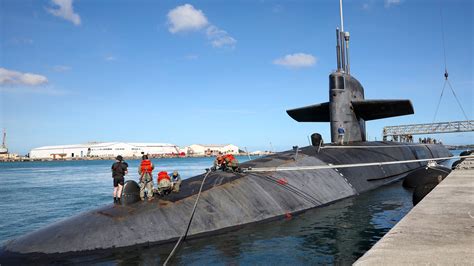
(26, 159)
(157, 156)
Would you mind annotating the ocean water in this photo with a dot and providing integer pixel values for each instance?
(35, 194)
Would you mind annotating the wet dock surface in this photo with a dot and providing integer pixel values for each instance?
(439, 230)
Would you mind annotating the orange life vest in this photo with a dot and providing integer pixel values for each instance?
(163, 175)
(229, 157)
(146, 167)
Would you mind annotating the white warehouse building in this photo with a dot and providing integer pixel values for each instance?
(211, 149)
(104, 149)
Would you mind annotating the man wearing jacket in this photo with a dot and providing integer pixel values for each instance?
(145, 170)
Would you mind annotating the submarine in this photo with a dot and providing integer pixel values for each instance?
(264, 190)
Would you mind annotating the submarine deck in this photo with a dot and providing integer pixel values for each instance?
(330, 153)
(230, 200)
(439, 230)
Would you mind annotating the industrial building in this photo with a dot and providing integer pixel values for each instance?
(104, 149)
(211, 149)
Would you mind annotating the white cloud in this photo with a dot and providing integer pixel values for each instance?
(18, 78)
(26, 83)
(64, 9)
(297, 60)
(219, 38)
(389, 3)
(59, 68)
(186, 18)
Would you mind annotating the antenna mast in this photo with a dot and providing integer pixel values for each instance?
(342, 45)
(342, 17)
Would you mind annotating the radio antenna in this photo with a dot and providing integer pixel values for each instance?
(342, 45)
(342, 17)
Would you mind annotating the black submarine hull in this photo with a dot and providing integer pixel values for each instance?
(231, 200)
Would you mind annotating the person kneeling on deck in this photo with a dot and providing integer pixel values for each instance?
(176, 180)
(230, 163)
(164, 183)
(146, 178)
(219, 163)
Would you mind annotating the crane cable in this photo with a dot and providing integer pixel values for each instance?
(446, 80)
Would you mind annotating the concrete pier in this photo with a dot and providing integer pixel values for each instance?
(437, 231)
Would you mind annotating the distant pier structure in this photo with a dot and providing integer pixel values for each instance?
(3, 148)
(4, 154)
(429, 128)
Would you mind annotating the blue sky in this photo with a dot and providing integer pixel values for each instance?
(184, 72)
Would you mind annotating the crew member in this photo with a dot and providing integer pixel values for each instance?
(231, 163)
(164, 183)
(176, 180)
(341, 132)
(219, 162)
(119, 170)
(146, 178)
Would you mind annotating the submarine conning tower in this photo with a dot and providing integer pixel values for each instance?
(344, 89)
(347, 106)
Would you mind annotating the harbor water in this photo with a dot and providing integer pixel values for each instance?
(35, 194)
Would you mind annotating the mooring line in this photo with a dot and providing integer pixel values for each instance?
(331, 166)
(372, 147)
(181, 238)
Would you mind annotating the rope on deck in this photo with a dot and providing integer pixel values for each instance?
(183, 237)
(331, 166)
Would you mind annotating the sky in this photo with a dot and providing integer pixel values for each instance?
(185, 72)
